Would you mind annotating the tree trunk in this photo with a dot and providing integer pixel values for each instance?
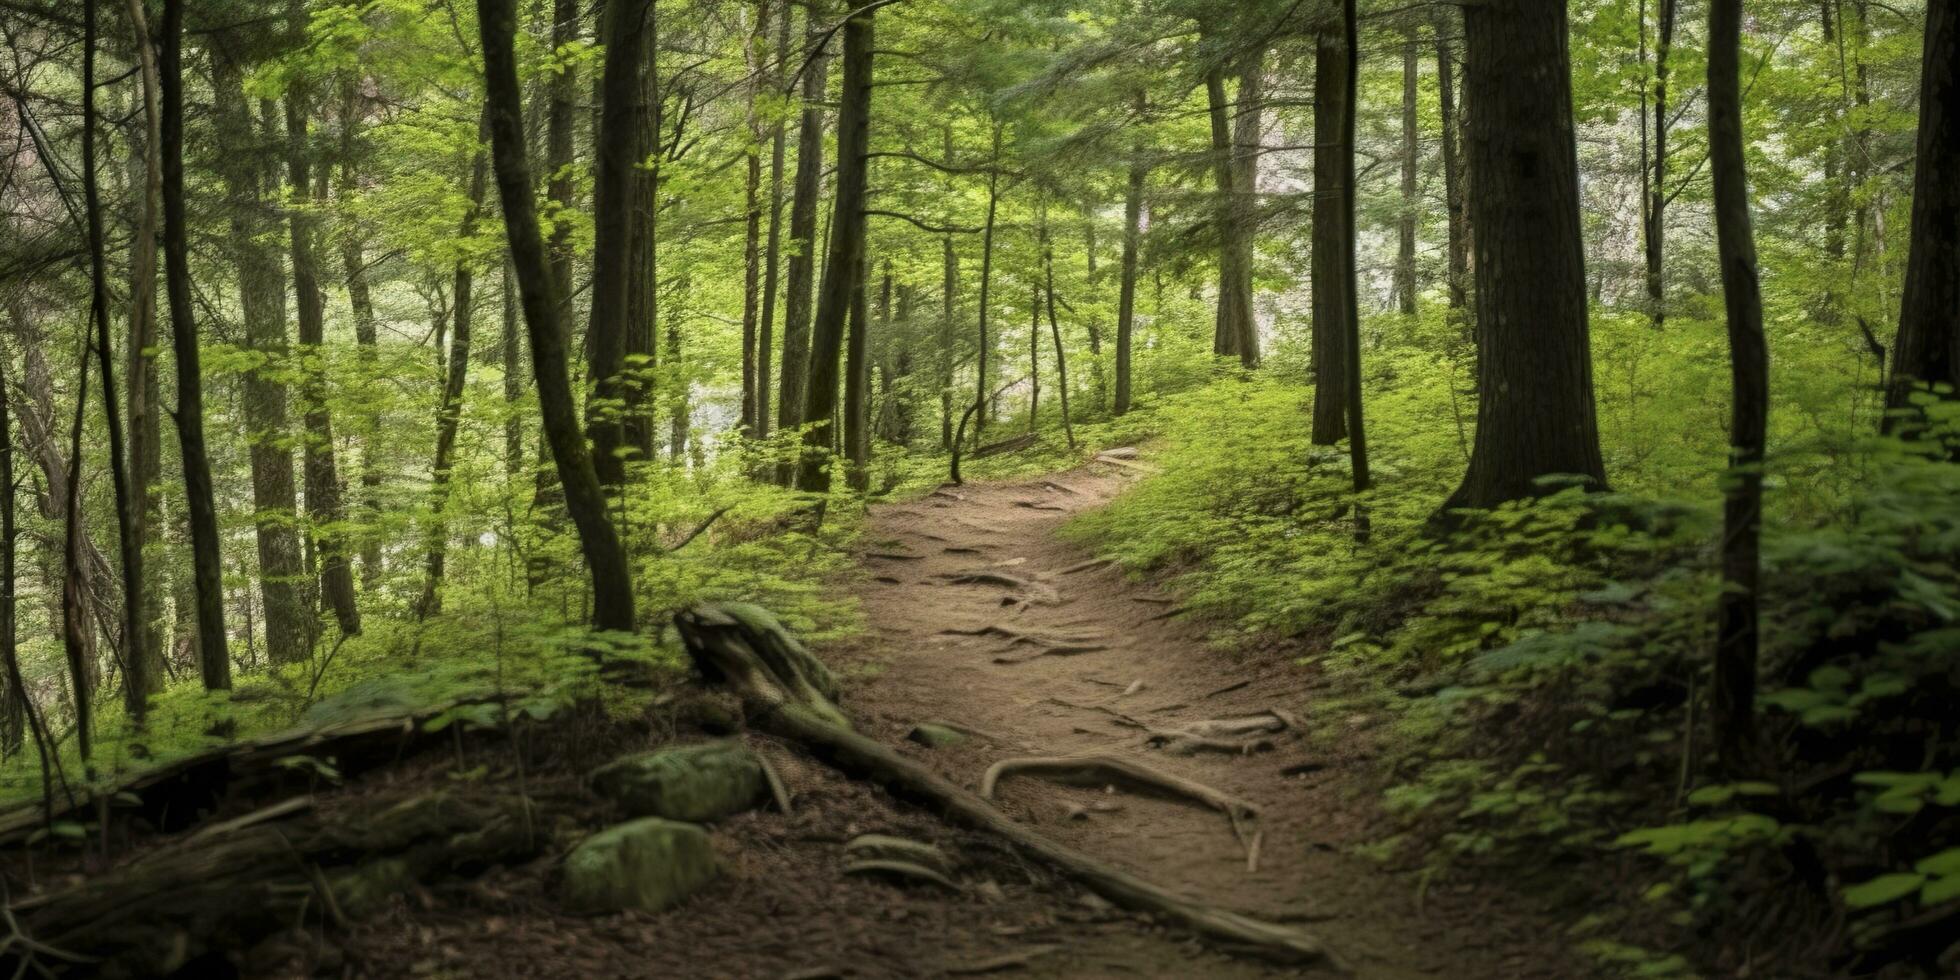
(1055, 328)
(1454, 184)
(1357, 432)
(585, 500)
(1126, 297)
(623, 33)
(1405, 255)
(1535, 415)
(137, 660)
(1333, 243)
(449, 417)
(857, 389)
(366, 337)
(14, 707)
(843, 270)
(322, 472)
(214, 658)
(752, 233)
(1230, 326)
(803, 231)
(140, 372)
(949, 284)
(642, 292)
(1928, 344)
(773, 251)
(561, 124)
(512, 349)
(1654, 223)
(1736, 633)
(261, 289)
(986, 284)
(1247, 136)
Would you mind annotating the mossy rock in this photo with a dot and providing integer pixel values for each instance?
(648, 864)
(696, 783)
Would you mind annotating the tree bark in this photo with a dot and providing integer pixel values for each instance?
(585, 499)
(1535, 414)
(1055, 328)
(623, 33)
(367, 339)
(949, 283)
(1333, 243)
(140, 372)
(261, 290)
(1126, 296)
(449, 417)
(843, 271)
(137, 660)
(322, 471)
(857, 388)
(1405, 254)
(1233, 169)
(1928, 345)
(773, 251)
(985, 346)
(214, 658)
(1736, 630)
(752, 232)
(1454, 182)
(808, 187)
(643, 292)
(1654, 215)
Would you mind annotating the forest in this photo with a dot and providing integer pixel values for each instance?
(1066, 488)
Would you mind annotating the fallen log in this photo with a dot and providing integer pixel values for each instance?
(777, 704)
(222, 890)
(1005, 446)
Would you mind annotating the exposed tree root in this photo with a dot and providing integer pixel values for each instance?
(893, 556)
(903, 871)
(1083, 566)
(1058, 650)
(777, 703)
(1038, 505)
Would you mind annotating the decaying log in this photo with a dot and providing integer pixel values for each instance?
(227, 887)
(1005, 446)
(725, 652)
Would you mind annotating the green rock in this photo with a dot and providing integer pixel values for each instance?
(696, 783)
(648, 864)
(935, 736)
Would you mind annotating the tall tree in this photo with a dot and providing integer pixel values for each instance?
(360, 300)
(1535, 415)
(214, 657)
(623, 32)
(1454, 184)
(1742, 510)
(1333, 240)
(1654, 152)
(1405, 219)
(1929, 318)
(137, 660)
(262, 295)
(844, 265)
(140, 372)
(322, 470)
(1235, 127)
(805, 190)
(585, 500)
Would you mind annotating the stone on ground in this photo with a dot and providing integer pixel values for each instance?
(935, 736)
(696, 783)
(649, 864)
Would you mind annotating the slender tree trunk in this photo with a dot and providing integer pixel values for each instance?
(752, 232)
(808, 187)
(449, 417)
(949, 284)
(1357, 432)
(1928, 344)
(642, 296)
(366, 337)
(1454, 183)
(14, 710)
(1405, 255)
(1034, 356)
(773, 252)
(1654, 225)
(512, 348)
(1247, 136)
(986, 285)
(1535, 415)
(857, 388)
(623, 33)
(1126, 296)
(1055, 329)
(561, 124)
(322, 471)
(137, 660)
(1735, 654)
(262, 301)
(140, 373)
(585, 500)
(1225, 330)
(1333, 243)
(843, 269)
(214, 658)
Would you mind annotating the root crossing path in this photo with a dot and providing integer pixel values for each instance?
(1064, 676)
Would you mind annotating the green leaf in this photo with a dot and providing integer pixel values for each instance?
(1940, 890)
(1883, 889)
(1946, 862)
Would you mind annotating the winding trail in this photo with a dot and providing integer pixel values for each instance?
(983, 617)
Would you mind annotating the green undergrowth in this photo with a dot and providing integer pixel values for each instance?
(1535, 679)
(508, 640)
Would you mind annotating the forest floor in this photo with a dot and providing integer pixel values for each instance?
(783, 909)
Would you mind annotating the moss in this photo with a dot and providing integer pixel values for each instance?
(696, 783)
(648, 864)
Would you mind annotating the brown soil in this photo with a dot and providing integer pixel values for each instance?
(782, 909)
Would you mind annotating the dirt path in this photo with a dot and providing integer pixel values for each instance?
(1140, 664)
